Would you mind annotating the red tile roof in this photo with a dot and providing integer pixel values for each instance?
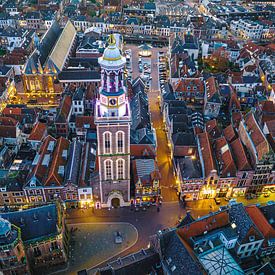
(260, 221)
(12, 111)
(256, 135)
(38, 132)
(234, 101)
(80, 121)
(64, 111)
(271, 127)
(267, 106)
(212, 129)
(211, 87)
(240, 155)
(207, 154)
(8, 127)
(224, 157)
(209, 223)
(141, 150)
(40, 171)
(57, 160)
(236, 119)
(229, 133)
(194, 84)
(253, 48)
(8, 121)
(250, 68)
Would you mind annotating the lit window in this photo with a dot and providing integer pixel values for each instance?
(120, 169)
(108, 170)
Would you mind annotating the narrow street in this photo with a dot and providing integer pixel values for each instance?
(168, 180)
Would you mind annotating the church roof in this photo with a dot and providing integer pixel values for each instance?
(63, 45)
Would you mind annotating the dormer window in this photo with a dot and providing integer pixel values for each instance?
(252, 238)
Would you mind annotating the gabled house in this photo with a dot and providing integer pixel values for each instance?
(191, 90)
(226, 167)
(46, 179)
(250, 239)
(265, 227)
(63, 116)
(146, 180)
(38, 133)
(10, 132)
(253, 138)
(212, 100)
(209, 169)
(244, 170)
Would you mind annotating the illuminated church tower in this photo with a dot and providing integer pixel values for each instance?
(113, 118)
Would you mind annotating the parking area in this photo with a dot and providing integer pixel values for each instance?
(150, 71)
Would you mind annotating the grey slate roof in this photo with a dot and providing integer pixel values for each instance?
(35, 223)
(184, 139)
(79, 75)
(79, 94)
(176, 256)
(139, 109)
(73, 166)
(268, 211)
(239, 216)
(142, 136)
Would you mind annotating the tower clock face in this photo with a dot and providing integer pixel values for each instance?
(112, 101)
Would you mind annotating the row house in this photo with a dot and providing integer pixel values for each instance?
(7, 20)
(146, 180)
(45, 181)
(63, 116)
(37, 135)
(259, 151)
(261, 217)
(90, 47)
(88, 165)
(231, 239)
(13, 38)
(70, 191)
(212, 98)
(10, 132)
(191, 90)
(83, 125)
(226, 167)
(247, 29)
(7, 84)
(12, 254)
(81, 23)
(42, 238)
(11, 192)
(38, 20)
(245, 172)
(10, 7)
(81, 164)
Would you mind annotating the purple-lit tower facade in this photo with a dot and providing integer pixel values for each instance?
(113, 119)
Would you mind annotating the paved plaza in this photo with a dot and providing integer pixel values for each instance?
(93, 243)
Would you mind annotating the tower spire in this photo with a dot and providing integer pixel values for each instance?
(112, 40)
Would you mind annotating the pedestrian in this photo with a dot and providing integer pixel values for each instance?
(158, 209)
